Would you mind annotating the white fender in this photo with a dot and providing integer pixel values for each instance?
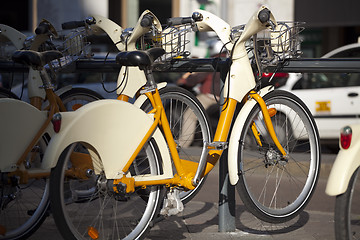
(113, 129)
(346, 162)
(16, 37)
(235, 135)
(212, 22)
(19, 122)
(112, 29)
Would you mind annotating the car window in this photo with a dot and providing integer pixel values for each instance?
(328, 80)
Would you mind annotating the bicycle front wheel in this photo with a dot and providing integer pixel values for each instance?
(189, 125)
(89, 208)
(273, 188)
(347, 214)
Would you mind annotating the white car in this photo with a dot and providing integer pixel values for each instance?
(333, 98)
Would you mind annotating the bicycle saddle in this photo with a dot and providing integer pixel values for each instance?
(141, 59)
(35, 59)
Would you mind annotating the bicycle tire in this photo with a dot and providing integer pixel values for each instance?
(346, 220)
(77, 97)
(24, 207)
(190, 128)
(22, 222)
(273, 189)
(5, 93)
(112, 216)
(26, 213)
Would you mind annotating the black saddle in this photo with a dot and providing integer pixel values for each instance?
(35, 59)
(141, 59)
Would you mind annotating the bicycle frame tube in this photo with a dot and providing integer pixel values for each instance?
(185, 170)
(267, 120)
(221, 134)
(158, 113)
(54, 108)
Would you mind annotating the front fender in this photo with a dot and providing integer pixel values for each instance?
(112, 128)
(346, 162)
(235, 135)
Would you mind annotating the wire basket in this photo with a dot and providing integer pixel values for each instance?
(73, 46)
(173, 39)
(275, 46)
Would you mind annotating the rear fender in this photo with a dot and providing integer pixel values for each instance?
(346, 162)
(113, 129)
(19, 123)
(236, 133)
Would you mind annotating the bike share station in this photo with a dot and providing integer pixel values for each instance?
(227, 204)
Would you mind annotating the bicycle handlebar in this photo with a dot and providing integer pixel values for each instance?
(179, 20)
(264, 15)
(77, 24)
(43, 28)
(196, 17)
(146, 21)
(72, 24)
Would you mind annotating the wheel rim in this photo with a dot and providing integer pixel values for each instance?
(260, 166)
(25, 213)
(111, 217)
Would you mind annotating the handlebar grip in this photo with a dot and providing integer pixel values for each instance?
(264, 15)
(146, 21)
(179, 20)
(43, 28)
(73, 24)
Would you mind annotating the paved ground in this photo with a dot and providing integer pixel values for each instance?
(200, 218)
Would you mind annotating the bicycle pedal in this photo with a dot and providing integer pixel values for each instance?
(172, 204)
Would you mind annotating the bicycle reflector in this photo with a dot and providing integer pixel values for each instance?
(56, 121)
(93, 233)
(345, 137)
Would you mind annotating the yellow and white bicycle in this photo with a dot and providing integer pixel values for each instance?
(133, 168)
(26, 129)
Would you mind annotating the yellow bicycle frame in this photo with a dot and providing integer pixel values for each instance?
(186, 169)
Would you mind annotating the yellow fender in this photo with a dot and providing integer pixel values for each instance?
(346, 162)
(235, 135)
(113, 129)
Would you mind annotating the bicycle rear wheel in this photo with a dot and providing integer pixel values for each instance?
(89, 206)
(24, 207)
(189, 125)
(272, 188)
(5, 93)
(347, 214)
(77, 97)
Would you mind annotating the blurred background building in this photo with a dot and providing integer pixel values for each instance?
(329, 23)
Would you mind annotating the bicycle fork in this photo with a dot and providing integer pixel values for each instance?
(212, 152)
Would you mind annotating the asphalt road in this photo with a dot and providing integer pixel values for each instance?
(200, 218)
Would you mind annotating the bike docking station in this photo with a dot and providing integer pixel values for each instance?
(227, 203)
